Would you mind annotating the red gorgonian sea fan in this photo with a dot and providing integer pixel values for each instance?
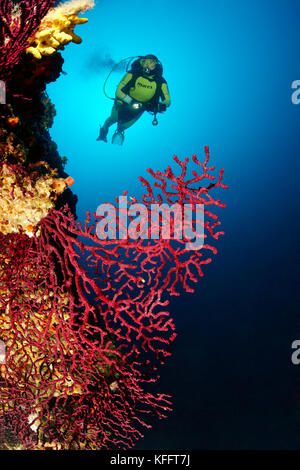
(85, 320)
(18, 21)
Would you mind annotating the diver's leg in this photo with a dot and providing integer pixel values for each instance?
(126, 125)
(118, 136)
(109, 122)
(127, 117)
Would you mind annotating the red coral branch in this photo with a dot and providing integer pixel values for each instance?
(86, 322)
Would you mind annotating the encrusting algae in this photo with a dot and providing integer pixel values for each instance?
(24, 201)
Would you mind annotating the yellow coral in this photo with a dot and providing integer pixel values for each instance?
(57, 28)
(19, 210)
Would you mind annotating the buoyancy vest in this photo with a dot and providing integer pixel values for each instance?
(146, 89)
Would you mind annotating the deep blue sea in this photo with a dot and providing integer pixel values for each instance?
(229, 66)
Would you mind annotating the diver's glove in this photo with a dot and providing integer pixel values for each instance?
(161, 107)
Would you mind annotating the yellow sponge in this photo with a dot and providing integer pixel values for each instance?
(57, 28)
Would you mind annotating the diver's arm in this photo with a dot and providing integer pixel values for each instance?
(119, 93)
(165, 95)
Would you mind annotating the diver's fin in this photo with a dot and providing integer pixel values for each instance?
(118, 138)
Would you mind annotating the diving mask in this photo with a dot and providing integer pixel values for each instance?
(148, 66)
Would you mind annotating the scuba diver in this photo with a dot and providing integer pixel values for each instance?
(141, 89)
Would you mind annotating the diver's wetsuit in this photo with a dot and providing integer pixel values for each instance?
(141, 88)
(124, 115)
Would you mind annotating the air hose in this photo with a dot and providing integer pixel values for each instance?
(115, 66)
